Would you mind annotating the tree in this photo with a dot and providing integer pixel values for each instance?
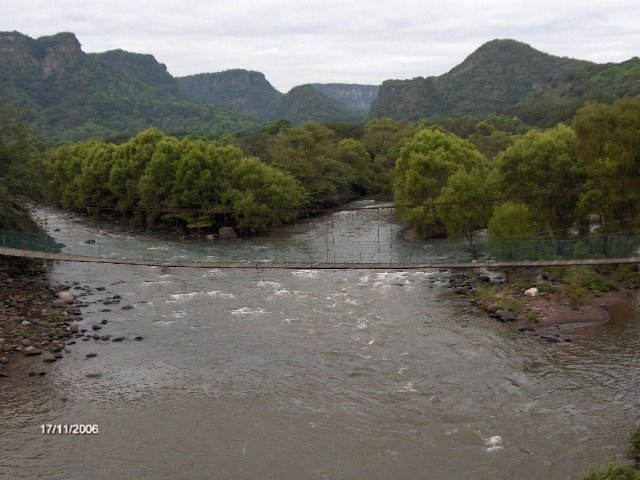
(510, 220)
(157, 183)
(308, 153)
(130, 160)
(464, 203)
(422, 171)
(21, 171)
(489, 140)
(352, 153)
(541, 171)
(608, 144)
(383, 139)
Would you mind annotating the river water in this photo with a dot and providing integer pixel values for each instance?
(305, 374)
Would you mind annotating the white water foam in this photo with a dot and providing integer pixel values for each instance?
(219, 294)
(306, 273)
(248, 311)
(493, 444)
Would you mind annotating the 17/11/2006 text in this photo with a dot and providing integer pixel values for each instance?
(74, 429)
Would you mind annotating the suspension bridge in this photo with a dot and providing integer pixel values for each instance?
(68, 257)
(349, 239)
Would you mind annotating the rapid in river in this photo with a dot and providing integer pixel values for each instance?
(309, 374)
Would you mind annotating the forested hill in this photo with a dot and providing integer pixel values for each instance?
(142, 67)
(595, 83)
(72, 95)
(243, 90)
(251, 92)
(305, 103)
(492, 79)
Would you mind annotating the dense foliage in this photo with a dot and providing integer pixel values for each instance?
(157, 179)
(548, 189)
(437, 167)
(608, 143)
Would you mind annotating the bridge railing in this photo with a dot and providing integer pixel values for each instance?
(533, 248)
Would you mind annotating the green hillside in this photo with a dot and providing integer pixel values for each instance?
(71, 95)
(492, 79)
(596, 83)
(242, 90)
(304, 103)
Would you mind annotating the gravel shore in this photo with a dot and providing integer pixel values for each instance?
(37, 321)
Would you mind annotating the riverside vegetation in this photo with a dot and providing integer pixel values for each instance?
(568, 191)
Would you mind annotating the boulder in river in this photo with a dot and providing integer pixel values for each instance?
(226, 233)
(66, 296)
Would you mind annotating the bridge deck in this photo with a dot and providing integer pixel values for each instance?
(14, 252)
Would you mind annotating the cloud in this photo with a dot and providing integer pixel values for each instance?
(295, 42)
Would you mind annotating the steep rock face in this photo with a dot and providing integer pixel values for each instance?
(243, 90)
(45, 55)
(57, 51)
(143, 67)
(493, 78)
(358, 97)
(305, 103)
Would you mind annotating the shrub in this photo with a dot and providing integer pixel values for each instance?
(613, 471)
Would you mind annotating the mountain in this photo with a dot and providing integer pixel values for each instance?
(492, 79)
(595, 83)
(304, 103)
(357, 97)
(142, 67)
(242, 90)
(71, 95)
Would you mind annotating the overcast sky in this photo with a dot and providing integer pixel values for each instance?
(296, 41)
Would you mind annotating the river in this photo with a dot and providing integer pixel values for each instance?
(308, 374)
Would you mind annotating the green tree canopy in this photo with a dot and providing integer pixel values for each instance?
(153, 178)
(464, 202)
(422, 171)
(541, 171)
(608, 143)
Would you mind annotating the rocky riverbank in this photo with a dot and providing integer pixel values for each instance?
(538, 303)
(37, 321)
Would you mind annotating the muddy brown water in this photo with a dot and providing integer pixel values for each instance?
(312, 374)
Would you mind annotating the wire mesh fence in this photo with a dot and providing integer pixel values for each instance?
(352, 236)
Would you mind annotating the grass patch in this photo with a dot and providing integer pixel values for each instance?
(485, 293)
(532, 319)
(578, 281)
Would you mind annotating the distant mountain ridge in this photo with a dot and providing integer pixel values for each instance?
(243, 90)
(305, 102)
(71, 95)
(250, 92)
(492, 79)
